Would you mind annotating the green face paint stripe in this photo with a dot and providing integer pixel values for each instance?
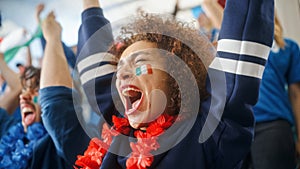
(35, 99)
(138, 71)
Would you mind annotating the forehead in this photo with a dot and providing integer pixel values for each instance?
(32, 83)
(136, 47)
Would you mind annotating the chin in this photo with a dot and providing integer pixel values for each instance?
(138, 123)
(134, 125)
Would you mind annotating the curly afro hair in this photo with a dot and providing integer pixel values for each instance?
(177, 38)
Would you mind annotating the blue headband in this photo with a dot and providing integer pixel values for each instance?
(197, 11)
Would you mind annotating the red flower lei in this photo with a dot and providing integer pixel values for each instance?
(141, 156)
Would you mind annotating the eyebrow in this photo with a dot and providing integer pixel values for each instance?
(133, 56)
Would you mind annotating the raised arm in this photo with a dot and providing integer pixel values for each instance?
(90, 4)
(58, 109)
(247, 38)
(55, 71)
(70, 56)
(94, 65)
(244, 43)
(28, 57)
(10, 99)
(243, 47)
(93, 20)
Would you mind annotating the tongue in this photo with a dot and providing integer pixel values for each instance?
(29, 119)
(135, 104)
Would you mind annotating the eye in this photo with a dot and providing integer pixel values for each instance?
(139, 60)
(36, 90)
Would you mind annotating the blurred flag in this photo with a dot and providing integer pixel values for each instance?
(11, 53)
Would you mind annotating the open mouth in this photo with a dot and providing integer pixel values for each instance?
(133, 98)
(28, 116)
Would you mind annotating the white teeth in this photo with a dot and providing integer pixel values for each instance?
(126, 91)
(27, 109)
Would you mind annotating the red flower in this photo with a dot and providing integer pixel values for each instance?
(140, 157)
(165, 121)
(85, 162)
(121, 125)
(141, 134)
(93, 156)
(108, 134)
(161, 123)
(99, 145)
(149, 143)
(155, 129)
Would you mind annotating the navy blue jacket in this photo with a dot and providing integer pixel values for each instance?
(66, 138)
(223, 130)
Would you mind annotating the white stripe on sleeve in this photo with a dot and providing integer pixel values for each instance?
(95, 58)
(97, 72)
(238, 67)
(243, 48)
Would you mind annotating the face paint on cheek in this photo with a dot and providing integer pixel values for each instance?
(35, 99)
(144, 69)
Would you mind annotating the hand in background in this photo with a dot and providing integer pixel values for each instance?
(39, 8)
(51, 28)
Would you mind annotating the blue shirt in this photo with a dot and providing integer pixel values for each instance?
(282, 69)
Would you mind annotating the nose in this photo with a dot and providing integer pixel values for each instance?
(26, 96)
(124, 74)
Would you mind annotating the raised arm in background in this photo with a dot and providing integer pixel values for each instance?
(56, 96)
(214, 11)
(55, 71)
(28, 57)
(10, 98)
(70, 55)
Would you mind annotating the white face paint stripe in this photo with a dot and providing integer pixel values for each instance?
(238, 67)
(243, 48)
(96, 58)
(97, 72)
(144, 69)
